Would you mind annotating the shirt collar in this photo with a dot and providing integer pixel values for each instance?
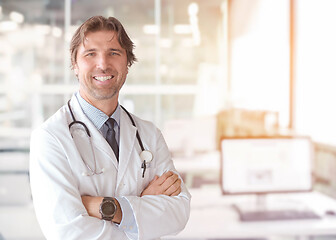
(96, 116)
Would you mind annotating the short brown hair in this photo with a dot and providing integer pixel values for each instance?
(98, 23)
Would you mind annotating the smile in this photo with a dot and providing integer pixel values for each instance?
(103, 78)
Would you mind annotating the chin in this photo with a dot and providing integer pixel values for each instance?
(106, 96)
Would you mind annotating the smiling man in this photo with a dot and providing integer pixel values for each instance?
(97, 171)
(101, 67)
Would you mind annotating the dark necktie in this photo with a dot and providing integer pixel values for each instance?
(111, 138)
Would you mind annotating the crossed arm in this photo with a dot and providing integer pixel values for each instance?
(168, 184)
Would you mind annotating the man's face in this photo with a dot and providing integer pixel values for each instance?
(101, 66)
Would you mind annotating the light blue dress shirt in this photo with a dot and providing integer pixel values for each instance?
(98, 118)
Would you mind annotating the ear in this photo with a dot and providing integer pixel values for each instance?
(75, 69)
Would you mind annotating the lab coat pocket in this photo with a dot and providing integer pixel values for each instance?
(144, 178)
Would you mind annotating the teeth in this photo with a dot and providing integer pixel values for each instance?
(104, 78)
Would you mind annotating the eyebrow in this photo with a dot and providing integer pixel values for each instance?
(110, 49)
(89, 50)
(115, 50)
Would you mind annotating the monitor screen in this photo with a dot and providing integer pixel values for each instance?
(266, 165)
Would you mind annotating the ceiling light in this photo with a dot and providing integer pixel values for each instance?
(16, 17)
(42, 29)
(151, 29)
(182, 29)
(193, 9)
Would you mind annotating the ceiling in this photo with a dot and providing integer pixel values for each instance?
(131, 11)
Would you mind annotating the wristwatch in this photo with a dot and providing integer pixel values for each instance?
(108, 208)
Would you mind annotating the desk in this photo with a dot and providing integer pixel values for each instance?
(212, 217)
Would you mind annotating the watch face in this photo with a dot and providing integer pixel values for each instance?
(108, 208)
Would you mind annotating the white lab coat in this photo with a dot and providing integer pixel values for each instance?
(57, 182)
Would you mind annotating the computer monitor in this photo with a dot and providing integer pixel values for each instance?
(259, 165)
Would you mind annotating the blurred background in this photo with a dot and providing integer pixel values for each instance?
(207, 70)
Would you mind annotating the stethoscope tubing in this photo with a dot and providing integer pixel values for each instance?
(94, 172)
(74, 121)
(137, 132)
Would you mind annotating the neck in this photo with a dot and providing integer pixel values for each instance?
(107, 106)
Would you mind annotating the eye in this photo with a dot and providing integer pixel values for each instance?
(90, 54)
(114, 53)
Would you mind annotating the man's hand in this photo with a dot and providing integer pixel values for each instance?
(168, 184)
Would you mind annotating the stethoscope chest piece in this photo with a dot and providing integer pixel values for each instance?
(146, 156)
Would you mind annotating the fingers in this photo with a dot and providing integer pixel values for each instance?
(154, 179)
(153, 187)
(169, 182)
(177, 192)
(173, 189)
(163, 177)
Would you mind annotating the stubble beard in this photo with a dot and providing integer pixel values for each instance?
(105, 94)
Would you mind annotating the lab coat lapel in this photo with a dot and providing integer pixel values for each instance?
(97, 139)
(126, 146)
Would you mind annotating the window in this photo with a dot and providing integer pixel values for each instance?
(179, 45)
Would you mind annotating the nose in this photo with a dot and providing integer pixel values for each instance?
(102, 62)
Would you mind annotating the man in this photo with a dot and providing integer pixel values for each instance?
(98, 172)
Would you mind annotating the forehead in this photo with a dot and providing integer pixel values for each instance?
(100, 39)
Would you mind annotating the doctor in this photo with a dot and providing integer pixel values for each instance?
(98, 172)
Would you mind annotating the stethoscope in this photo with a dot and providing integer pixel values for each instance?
(145, 155)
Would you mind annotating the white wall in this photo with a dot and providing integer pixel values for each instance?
(315, 69)
(259, 57)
